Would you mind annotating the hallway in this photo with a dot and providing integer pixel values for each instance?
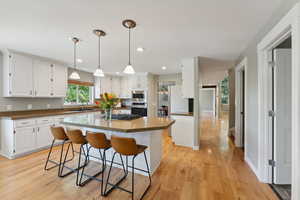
(216, 172)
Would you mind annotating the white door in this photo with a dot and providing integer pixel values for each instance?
(43, 136)
(42, 78)
(282, 119)
(60, 81)
(24, 139)
(21, 80)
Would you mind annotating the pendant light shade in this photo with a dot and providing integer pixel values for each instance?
(129, 70)
(99, 72)
(129, 24)
(74, 75)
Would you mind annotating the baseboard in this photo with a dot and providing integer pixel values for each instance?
(196, 148)
(252, 167)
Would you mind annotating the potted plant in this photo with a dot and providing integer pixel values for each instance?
(108, 102)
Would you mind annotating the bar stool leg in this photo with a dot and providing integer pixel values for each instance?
(50, 151)
(132, 183)
(149, 175)
(61, 168)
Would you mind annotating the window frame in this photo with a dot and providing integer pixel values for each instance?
(91, 95)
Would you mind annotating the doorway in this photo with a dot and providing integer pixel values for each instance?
(281, 116)
(240, 106)
(207, 97)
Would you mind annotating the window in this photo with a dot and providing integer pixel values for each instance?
(79, 94)
(225, 91)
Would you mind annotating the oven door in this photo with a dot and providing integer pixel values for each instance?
(138, 95)
(139, 111)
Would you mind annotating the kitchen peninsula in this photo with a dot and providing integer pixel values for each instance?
(146, 131)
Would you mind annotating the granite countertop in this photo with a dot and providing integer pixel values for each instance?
(94, 120)
(183, 114)
(15, 115)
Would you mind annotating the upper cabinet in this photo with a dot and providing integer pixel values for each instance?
(28, 76)
(18, 76)
(188, 79)
(59, 80)
(42, 78)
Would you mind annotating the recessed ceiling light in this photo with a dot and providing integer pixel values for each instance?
(79, 60)
(140, 49)
(163, 67)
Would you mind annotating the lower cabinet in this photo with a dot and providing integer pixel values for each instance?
(21, 137)
(24, 140)
(43, 136)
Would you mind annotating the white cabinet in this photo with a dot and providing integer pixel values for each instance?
(116, 85)
(43, 136)
(42, 72)
(97, 87)
(59, 80)
(125, 89)
(188, 79)
(19, 75)
(30, 76)
(106, 84)
(24, 139)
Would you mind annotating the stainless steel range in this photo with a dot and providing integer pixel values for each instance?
(139, 102)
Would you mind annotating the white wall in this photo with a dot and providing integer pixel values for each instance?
(252, 81)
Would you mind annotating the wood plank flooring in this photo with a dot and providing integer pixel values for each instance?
(216, 172)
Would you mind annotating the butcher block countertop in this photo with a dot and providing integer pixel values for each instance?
(94, 120)
(15, 115)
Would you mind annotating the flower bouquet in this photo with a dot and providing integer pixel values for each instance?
(107, 102)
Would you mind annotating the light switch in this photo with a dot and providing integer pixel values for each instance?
(29, 106)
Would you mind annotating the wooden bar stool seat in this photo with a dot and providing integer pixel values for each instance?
(60, 135)
(127, 147)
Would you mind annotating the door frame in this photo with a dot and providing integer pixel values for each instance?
(242, 66)
(289, 24)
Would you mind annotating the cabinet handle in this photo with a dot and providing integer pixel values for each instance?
(35, 93)
(33, 129)
(30, 92)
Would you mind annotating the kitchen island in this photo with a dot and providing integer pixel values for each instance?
(146, 131)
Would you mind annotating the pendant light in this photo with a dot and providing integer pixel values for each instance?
(99, 71)
(74, 75)
(128, 23)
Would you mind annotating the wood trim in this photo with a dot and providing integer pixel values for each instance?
(75, 82)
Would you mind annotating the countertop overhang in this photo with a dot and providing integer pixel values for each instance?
(95, 120)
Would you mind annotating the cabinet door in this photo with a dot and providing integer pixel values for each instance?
(42, 78)
(97, 87)
(125, 88)
(116, 86)
(60, 81)
(21, 76)
(24, 139)
(188, 78)
(106, 84)
(43, 136)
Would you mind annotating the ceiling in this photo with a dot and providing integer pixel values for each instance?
(168, 30)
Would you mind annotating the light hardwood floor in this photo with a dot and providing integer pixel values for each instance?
(216, 172)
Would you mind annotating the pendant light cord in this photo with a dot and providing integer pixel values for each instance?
(129, 47)
(99, 50)
(75, 55)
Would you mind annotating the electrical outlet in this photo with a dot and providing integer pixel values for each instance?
(29, 106)
(8, 107)
(48, 106)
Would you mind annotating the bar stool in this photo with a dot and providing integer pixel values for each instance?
(100, 142)
(59, 134)
(77, 137)
(127, 147)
